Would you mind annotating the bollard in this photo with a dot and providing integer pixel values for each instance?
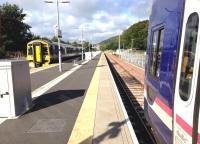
(75, 63)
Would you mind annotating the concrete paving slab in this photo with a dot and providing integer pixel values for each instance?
(110, 123)
(102, 119)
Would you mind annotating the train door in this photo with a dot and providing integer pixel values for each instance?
(184, 117)
(37, 54)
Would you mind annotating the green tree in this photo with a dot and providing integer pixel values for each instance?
(46, 38)
(134, 37)
(75, 44)
(14, 32)
(110, 44)
(2, 48)
(103, 48)
(86, 46)
(68, 42)
(54, 39)
(34, 37)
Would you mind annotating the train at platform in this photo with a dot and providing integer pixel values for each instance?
(43, 52)
(172, 72)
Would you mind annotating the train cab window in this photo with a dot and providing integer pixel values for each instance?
(189, 46)
(156, 49)
(30, 50)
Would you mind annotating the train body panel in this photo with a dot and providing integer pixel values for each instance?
(187, 96)
(156, 123)
(172, 74)
(160, 71)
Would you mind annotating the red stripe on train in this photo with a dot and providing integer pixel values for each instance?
(198, 141)
(179, 120)
(184, 125)
(164, 106)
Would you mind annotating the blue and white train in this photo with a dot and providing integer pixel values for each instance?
(172, 72)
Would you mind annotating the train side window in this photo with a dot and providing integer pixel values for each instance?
(56, 50)
(30, 50)
(61, 50)
(156, 49)
(51, 49)
(45, 50)
(189, 46)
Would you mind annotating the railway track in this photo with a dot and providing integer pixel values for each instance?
(131, 92)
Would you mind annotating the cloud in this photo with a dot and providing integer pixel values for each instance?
(103, 18)
(141, 9)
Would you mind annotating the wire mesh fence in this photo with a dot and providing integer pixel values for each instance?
(136, 58)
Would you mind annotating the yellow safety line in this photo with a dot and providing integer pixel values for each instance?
(83, 128)
(34, 70)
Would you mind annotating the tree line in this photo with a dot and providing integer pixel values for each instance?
(135, 37)
(15, 33)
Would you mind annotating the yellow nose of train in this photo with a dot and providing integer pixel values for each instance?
(43, 52)
(38, 53)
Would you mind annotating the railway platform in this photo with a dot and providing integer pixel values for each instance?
(80, 105)
(102, 118)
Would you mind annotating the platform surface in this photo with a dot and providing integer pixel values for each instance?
(83, 108)
(52, 118)
(101, 120)
(110, 122)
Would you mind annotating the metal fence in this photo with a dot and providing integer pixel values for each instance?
(136, 58)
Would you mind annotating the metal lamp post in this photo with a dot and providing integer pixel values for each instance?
(82, 42)
(82, 30)
(90, 43)
(82, 33)
(119, 45)
(58, 31)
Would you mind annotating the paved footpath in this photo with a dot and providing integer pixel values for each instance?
(46, 74)
(52, 118)
(83, 108)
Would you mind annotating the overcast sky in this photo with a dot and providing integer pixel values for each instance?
(102, 18)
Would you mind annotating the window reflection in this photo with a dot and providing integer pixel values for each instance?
(188, 56)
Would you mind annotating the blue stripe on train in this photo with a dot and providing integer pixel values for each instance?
(164, 134)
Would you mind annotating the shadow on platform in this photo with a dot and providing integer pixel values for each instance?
(54, 98)
(113, 131)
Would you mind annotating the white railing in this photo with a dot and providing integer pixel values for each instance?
(136, 58)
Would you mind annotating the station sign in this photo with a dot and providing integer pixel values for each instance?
(57, 32)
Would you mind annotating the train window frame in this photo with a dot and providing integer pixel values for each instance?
(45, 49)
(188, 44)
(51, 49)
(56, 50)
(30, 50)
(154, 69)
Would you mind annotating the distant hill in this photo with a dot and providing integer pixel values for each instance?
(108, 40)
(110, 43)
(135, 36)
